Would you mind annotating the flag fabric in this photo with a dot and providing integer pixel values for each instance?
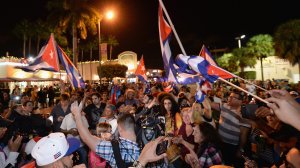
(72, 72)
(141, 71)
(207, 55)
(46, 60)
(221, 72)
(199, 96)
(115, 93)
(165, 32)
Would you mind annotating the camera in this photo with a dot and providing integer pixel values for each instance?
(248, 111)
(162, 147)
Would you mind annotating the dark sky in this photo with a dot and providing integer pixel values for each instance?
(197, 22)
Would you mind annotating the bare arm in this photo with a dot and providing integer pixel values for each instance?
(84, 133)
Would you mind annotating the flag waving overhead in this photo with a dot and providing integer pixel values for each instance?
(72, 72)
(141, 70)
(164, 38)
(46, 60)
(207, 55)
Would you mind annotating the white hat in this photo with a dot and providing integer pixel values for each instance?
(53, 147)
(30, 144)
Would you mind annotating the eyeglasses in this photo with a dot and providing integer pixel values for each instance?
(234, 97)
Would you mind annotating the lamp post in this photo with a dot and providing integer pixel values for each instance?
(239, 38)
(109, 15)
(99, 45)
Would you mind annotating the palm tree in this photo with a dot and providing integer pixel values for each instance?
(112, 41)
(242, 58)
(260, 46)
(77, 15)
(41, 32)
(22, 29)
(286, 39)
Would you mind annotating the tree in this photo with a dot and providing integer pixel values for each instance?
(42, 31)
(240, 55)
(112, 41)
(286, 42)
(226, 62)
(22, 29)
(110, 70)
(77, 15)
(260, 46)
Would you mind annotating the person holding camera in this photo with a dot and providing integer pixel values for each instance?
(8, 153)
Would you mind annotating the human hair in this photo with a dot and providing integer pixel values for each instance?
(174, 108)
(103, 127)
(26, 102)
(127, 121)
(64, 97)
(210, 134)
(96, 94)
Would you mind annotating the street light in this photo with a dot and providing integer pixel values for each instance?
(239, 40)
(109, 15)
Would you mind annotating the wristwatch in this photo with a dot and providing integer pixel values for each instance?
(137, 164)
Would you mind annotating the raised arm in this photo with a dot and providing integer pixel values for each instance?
(90, 140)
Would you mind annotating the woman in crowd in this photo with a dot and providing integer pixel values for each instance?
(208, 153)
(172, 117)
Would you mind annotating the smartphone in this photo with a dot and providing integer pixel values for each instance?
(248, 111)
(162, 147)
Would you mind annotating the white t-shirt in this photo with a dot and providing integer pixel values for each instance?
(69, 123)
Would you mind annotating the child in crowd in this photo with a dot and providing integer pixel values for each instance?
(104, 132)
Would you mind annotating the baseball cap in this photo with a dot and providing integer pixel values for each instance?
(30, 144)
(53, 147)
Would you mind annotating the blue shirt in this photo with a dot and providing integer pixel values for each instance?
(129, 151)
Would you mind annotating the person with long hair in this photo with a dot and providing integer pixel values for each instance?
(173, 120)
(208, 153)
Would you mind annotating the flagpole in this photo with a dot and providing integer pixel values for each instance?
(239, 78)
(172, 26)
(243, 90)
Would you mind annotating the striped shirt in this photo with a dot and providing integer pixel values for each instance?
(129, 151)
(229, 126)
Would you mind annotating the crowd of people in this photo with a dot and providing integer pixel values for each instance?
(151, 125)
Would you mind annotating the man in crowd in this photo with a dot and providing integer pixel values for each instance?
(129, 149)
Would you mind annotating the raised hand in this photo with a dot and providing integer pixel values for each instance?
(14, 145)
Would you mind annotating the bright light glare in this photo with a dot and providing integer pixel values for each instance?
(109, 14)
(243, 36)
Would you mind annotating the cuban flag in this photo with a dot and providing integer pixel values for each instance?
(221, 72)
(199, 96)
(207, 55)
(165, 32)
(115, 93)
(72, 72)
(141, 71)
(46, 60)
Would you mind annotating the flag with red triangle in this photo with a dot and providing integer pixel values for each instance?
(141, 71)
(46, 60)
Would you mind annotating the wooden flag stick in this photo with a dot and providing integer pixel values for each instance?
(229, 83)
(172, 26)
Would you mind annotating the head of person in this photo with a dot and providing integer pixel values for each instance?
(96, 98)
(130, 93)
(28, 107)
(169, 105)
(104, 131)
(126, 124)
(109, 111)
(206, 133)
(104, 96)
(186, 114)
(147, 98)
(121, 107)
(24, 98)
(121, 98)
(235, 99)
(88, 101)
(64, 99)
(55, 150)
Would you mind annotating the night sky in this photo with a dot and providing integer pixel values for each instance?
(197, 22)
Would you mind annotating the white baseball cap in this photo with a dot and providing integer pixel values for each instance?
(30, 144)
(53, 147)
